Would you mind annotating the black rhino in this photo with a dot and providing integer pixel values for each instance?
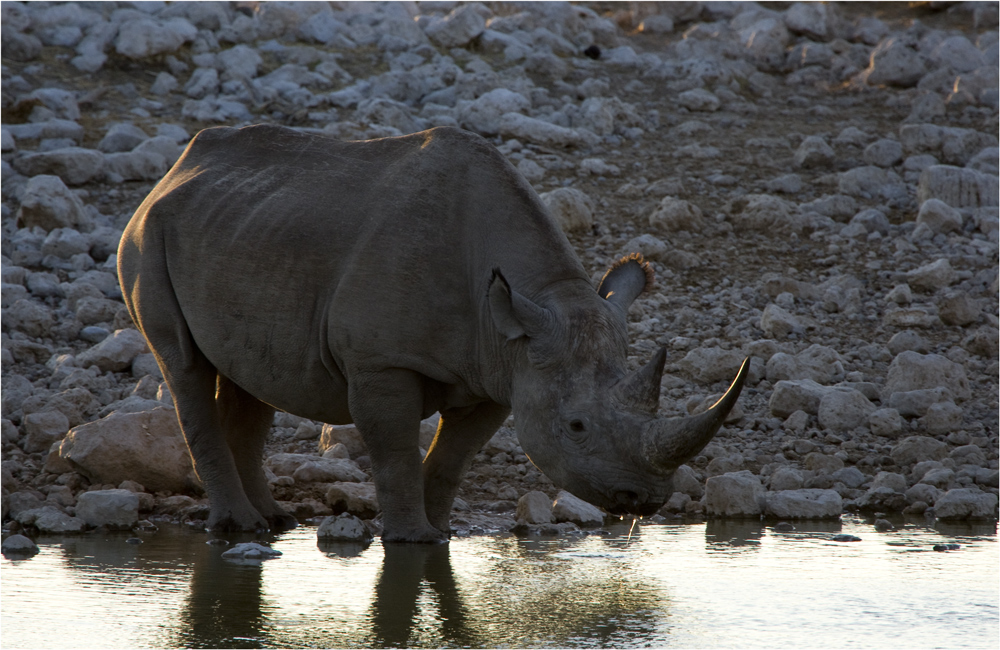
(379, 282)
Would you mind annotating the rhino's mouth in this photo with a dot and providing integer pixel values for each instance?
(630, 503)
(642, 510)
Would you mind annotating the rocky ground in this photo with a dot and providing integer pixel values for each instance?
(815, 185)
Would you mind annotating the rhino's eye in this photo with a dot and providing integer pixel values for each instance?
(577, 426)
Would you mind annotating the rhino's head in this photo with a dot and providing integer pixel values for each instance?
(583, 419)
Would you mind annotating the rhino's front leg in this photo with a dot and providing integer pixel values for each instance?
(386, 407)
(461, 434)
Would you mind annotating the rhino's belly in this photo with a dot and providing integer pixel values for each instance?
(279, 365)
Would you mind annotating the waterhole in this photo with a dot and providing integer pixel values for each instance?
(720, 584)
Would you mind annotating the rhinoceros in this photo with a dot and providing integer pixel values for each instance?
(379, 282)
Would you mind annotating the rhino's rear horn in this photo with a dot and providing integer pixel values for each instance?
(670, 442)
(641, 389)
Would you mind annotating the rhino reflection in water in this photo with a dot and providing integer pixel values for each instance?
(377, 283)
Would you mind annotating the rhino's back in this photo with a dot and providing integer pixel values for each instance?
(297, 258)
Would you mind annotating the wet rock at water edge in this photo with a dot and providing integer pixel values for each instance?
(845, 538)
(251, 551)
(110, 508)
(534, 508)
(946, 547)
(569, 508)
(19, 546)
(884, 525)
(49, 519)
(343, 528)
(966, 503)
(735, 494)
(804, 504)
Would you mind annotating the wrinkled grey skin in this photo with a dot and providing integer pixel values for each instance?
(377, 283)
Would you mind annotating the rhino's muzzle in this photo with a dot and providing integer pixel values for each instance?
(670, 442)
(631, 503)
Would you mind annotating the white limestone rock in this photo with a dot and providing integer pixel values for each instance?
(966, 503)
(569, 508)
(811, 19)
(145, 447)
(814, 152)
(356, 498)
(796, 395)
(844, 410)
(778, 323)
(883, 153)
(571, 208)
(463, 24)
(894, 63)
(735, 494)
(534, 507)
(47, 203)
(143, 37)
(110, 508)
(483, 115)
(345, 434)
(49, 519)
(676, 214)
(914, 403)
(939, 216)
(958, 187)
(913, 371)
(915, 449)
(765, 213)
(530, 129)
(804, 504)
(122, 136)
(699, 100)
(251, 551)
(74, 165)
(820, 363)
(932, 276)
(786, 478)
(43, 428)
(114, 353)
(941, 418)
(18, 545)
(30, 317)
(709, 365)
(343, 528)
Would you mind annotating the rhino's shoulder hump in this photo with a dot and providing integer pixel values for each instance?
(226, 139)
(451, 141)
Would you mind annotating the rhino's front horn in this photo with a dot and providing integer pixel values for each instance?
(670, 442)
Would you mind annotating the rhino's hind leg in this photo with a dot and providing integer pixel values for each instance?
(386, 408)
(193, 388)
(461, 434)
(247, 422)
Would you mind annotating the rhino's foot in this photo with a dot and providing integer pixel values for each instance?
(282, 521)
(428, 535)
(230, 522)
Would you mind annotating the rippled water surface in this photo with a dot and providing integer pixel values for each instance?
(720, 584)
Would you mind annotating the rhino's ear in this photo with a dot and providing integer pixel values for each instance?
(514, 315)
(625, 280)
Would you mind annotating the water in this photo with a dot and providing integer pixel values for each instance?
(720, 584)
